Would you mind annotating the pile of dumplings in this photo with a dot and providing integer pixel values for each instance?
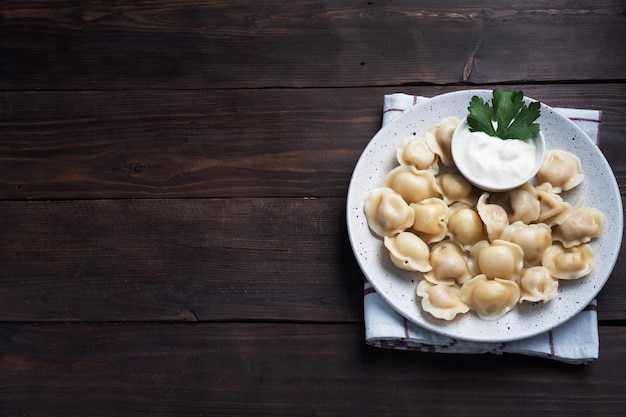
(477, 251)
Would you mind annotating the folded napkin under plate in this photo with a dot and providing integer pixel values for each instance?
(575, 341)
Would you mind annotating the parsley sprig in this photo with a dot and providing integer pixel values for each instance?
(508, 118)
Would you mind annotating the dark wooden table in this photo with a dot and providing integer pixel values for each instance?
(173, 179)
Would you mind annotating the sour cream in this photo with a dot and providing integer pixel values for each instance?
(495, 164)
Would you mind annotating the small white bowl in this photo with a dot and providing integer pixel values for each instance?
(494, 183)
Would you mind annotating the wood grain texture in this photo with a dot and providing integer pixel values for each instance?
(195, 259)
(192, 259)
(252, 143)
(196, 45)
(279, 369)
(173, 178)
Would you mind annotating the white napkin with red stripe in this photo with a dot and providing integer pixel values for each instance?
(575, 341)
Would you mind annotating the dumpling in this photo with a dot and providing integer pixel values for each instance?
(416, 152)
(412, 184)
(408, 252)
(536, 284)
(465, 225)
(442, 301)
(449, 264)
(553, 210)
(439, 138)
(494, 217)
(569, 263)
(582, 225)
(499, 259)
(490, 298)
(524, 204)
(455, 188)
(387, 213)
(472, 259)
(430, 219)
(562, 169)
(534, 239)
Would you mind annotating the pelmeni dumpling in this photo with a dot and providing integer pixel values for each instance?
(465, 225)
(534, 239)
(387, 213)
(569, 263)
(408, 252)
(553, 210)
(490, 298)
(416, 152)
(412, 184)
(498, 259)
(456, 189)
(494, 217)
(439, 138)
(442, 301)
(430, 219)
(524, 204)
(562, 169)
(582, 225)
(449, 264)
(536, 284)
(472, 258)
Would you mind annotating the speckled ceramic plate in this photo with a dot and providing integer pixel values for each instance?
(397, 287)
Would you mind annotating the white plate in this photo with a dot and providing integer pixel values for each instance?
(397, 287)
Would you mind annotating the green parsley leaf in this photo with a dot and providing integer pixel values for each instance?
(512, 118)
(523, 126)
(479, 119)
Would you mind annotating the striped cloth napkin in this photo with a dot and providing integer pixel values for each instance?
(575, 341)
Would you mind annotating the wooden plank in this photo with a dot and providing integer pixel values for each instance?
(190, 259)
(203, 259)
(164, 144)
(189, 144)
(200, 44)
(279, 369)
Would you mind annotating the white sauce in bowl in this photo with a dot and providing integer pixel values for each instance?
(495, 164)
